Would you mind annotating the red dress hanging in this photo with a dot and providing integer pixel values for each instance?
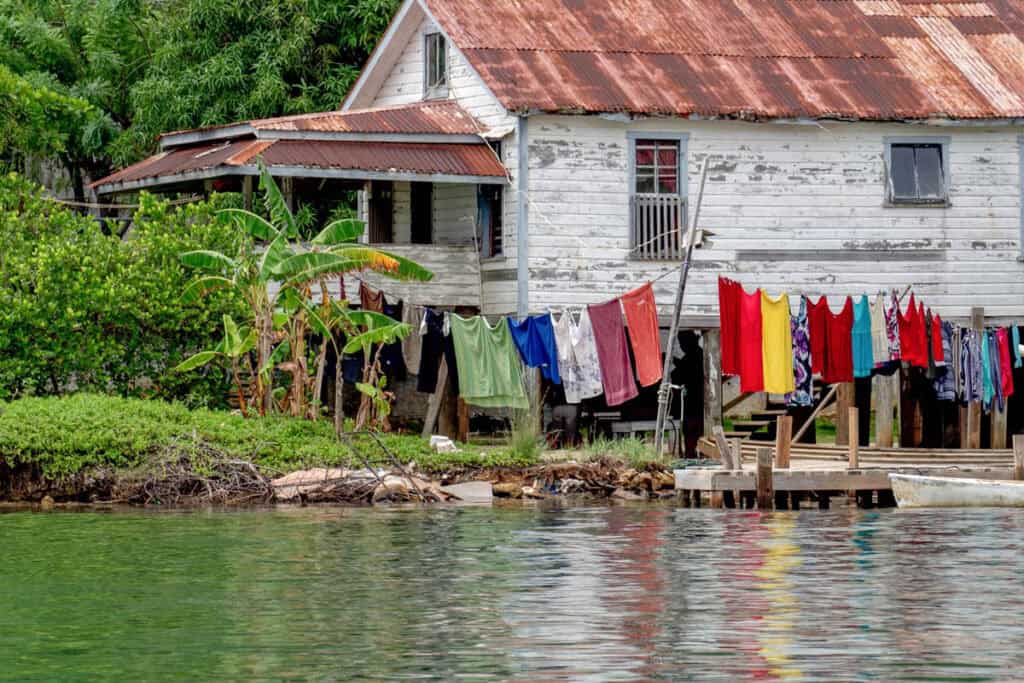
(1005, 361)
(729, 319)
(937, 353)
(817, 327)
(751, 360)
(839, 359)
(913, 345)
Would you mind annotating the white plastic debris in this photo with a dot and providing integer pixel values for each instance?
(442, 444)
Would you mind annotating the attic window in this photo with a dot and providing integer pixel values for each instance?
(435, 67)
(918, 171)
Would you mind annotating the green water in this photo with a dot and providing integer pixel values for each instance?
(522, 594)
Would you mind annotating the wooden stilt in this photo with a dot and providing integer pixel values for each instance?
(844, 399)
(712, 381)
(998, 427)
(1018, 457)
(436, 399)
(883, 410)
(854, 437)
(974, 408)
(765, 488)
(783, 440)
(463, 429)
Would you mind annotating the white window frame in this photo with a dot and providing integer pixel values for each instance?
(438, 89)
(944, 142)
(638, 251)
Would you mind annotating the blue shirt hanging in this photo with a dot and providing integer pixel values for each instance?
(535, 339)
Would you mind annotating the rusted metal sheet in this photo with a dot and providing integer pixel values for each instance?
(864, 59)
(427, 159)
(198, 158)
(423, 159)
(442, 117)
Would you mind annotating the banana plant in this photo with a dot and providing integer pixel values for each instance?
(236, 346)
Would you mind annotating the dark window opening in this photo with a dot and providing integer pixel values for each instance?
(382, 212)
(917, 173)
(489, 218)
(435, 67)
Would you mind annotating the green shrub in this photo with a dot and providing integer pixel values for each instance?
(64, 436)
(81, 308)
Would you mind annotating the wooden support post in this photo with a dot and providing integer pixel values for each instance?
(883, 410)
(712, 381)
(463, 428)
(854, 434)
(783, 440)
(288, 191)
(998, 427)
(1018, 457)
(724, 451)
(765, 485)
(844, 399)
(247, 192)
(436, 399)
(737, 453)
(974, 409)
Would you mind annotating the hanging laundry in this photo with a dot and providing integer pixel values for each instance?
(729, 320)
(913, 348)
(1015, 346)
(996, 365)
(584, 344)
(862, 339)
(988, 387)
(921, 325)
(776, 344)
(938, 352)
(945, 383)
(879, 340)
(436, 345)
(412, 345)
(892, 329)
(802, 380)
(644, 338)
(751, 354)
(931, 372)
(490, 372)
(1005, 362)
(839, 354)
(535, 339)
(392, 361)
(817, 319)
(370, 300)
(581, 378)
(977, 368)
(610, 337)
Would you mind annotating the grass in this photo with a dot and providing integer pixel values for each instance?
(66, 436)
(634, 450)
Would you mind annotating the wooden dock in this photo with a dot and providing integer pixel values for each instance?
(818, 473)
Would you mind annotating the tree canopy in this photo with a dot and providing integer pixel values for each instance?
(98, 80)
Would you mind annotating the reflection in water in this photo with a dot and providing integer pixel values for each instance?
(515, 594)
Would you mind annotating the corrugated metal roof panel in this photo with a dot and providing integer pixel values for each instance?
(420, 159)
(437, 118)
(866, 59)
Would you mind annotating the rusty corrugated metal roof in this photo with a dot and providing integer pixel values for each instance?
(857, 59)
(440, 117)
(376, 157)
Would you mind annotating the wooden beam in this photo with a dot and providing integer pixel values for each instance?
(462, 434)
(436, 399)
(854, 434)
(974, 408)
(765, 489)
(844, 399)
(724, 451)
(712, 381)
(783, 440)
(817, 411)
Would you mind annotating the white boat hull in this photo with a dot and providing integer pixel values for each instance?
(916, 491)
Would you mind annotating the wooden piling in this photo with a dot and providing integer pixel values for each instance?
(1018, 457)
(765, 486)
(883, 410)
(783, 441)
(998, 427)
(712, 381)
(971, 438)
(854, 434)
(844, 399)
(724, 451)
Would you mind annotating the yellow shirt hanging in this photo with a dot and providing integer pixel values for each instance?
(776, 344)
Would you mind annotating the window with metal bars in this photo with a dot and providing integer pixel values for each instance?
(657, 197)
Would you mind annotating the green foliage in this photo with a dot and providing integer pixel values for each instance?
(80, 308)
(37, 120)
(631, 449)
(65, 436)
(525, 441)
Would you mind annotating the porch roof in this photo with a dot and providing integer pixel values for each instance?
(455, 162)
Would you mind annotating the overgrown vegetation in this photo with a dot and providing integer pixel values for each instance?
(631, 449)
(63, 437)
(84, 309)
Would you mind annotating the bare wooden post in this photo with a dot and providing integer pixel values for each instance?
(765, 485)
(854, 426)
(434, 406)
(844, 399)
(463, 428)
(883, 411)
(974, 408)
(712, 381)
(783, 440)
(724, 451)
(1018, 457)
(998, 424)
(737, 453)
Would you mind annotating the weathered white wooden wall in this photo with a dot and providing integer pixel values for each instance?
(796, 208)
(404, 84)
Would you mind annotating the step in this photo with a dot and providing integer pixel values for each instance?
(749, 425)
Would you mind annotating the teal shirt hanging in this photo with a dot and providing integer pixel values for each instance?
(863, 357)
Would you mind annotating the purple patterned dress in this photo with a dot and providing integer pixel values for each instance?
(800, 330)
